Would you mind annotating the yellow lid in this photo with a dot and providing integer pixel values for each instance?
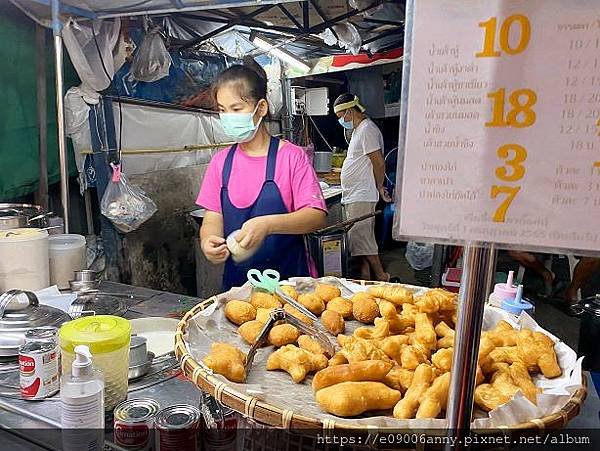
(101, 333)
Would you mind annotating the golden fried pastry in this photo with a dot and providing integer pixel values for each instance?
(503, 334)
(312, 302)
(283, 334)
(536, 351)
(337, 359)
(327, 292)
(342, 306)
(411, 357)
(442, 359)
(381, 330)
(226, 360)
(333, 322)
(367, 370)
(361, 295)
(310, 344)
(500, 391)
(522, 379)
(365, 309)
(424, 331)
(263, 314)
(501, 354)
(435, 300)
(357, 349)
(290, 291)
(396, 294)
(392, 346)
(296, 362)
(399, 378)
(239, 312)
(297, 314)
(486, 346)
(260, 299)
(421, 381)
(435, 398)
(349, 399)
(446, 335)
(398, 323)
(250, 331)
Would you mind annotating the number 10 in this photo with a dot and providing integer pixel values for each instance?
(489, 40)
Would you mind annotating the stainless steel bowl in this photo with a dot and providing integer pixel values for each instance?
(138, 351)
(137, 371)
(86, 275)
(80, 286)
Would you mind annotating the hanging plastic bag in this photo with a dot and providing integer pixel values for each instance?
(151, 60)
(419, 255)
(125, 205)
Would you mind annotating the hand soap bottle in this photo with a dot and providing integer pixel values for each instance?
(82, 404)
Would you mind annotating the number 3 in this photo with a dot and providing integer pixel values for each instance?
(515, 163)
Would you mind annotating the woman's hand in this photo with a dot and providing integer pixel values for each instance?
(254, 231)
(215, 249)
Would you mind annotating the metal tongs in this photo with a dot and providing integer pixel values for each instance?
(268, 281)
(278, 315)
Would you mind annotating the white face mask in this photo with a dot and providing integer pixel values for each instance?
(240, 127)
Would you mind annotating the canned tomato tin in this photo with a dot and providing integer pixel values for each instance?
(134, 421)
(39, 363)
(177, 428)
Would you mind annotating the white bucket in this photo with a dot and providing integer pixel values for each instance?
(67, 255)
(23, 259)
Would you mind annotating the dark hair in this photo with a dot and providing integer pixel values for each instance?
(345, 98)
(250, 80)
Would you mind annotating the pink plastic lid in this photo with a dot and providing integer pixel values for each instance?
(506, 290)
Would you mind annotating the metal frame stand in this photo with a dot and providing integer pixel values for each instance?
(477, 279)
(60, 112)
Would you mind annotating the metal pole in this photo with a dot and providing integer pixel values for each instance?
(288, 124)
(60, 112)
(474, 288)
(40, 47)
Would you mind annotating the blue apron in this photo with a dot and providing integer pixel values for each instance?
(284, 253)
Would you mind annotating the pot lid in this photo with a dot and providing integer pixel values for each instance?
(19, 312)
(591, 305)
(18, 316)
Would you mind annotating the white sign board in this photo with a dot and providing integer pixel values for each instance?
(503, 124)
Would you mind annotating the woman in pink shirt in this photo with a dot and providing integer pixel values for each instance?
(262, 186)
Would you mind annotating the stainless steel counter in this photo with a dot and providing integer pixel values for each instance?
(36, 422)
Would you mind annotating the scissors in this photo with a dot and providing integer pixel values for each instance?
(268, 281)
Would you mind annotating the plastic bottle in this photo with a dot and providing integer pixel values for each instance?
(82, 404)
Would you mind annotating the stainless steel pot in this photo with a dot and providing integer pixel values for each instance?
(12, 221)
(34, 214)
(322, 162)
(19, 312)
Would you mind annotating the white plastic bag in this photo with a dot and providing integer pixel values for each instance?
(125, 205)
(90, 46)
(419, 255)
(151, 60)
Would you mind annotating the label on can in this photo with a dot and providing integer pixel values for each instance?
(132, 436)
(39, 373)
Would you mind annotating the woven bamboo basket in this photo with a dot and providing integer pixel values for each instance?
(274, 416)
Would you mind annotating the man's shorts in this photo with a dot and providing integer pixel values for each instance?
(361, 236)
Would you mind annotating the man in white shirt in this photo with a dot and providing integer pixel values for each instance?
(362, 179)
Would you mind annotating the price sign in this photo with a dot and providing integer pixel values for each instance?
(503, 123)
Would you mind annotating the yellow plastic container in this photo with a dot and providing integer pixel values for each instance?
(108, 339)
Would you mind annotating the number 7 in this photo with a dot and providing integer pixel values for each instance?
(511, 192)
